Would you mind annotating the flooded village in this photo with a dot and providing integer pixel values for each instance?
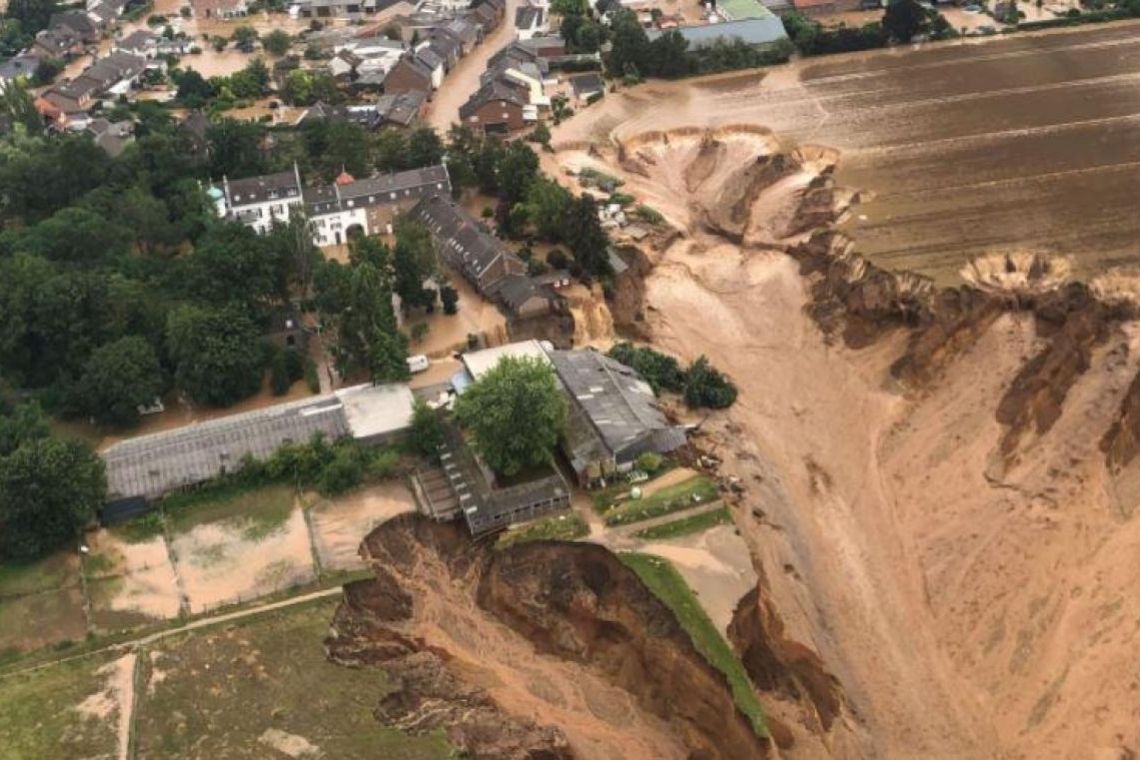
(506, 387)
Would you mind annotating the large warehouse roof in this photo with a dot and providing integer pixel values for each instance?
(154, 465)
(157, 464)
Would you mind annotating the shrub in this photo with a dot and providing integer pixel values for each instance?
(287, 368)
(420, 331)
(312, 379)
(650, 462)
(426, 434)
(557, 259)
(449, 296)
(663, 373)
(706, 386)
(623, 199)
(649, 214)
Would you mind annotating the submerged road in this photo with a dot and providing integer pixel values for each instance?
(1029, 142)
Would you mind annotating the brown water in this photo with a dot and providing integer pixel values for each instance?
(1023, 143)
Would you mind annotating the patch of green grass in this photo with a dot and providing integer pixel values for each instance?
(51, 572)
(687, 525)
(104, 617)
(42, 619)
(562, 527)
(260, 511)
(697, 490)
(97, 565)
(38, 719)
(666, 583)
(269, 671)
(141, 529)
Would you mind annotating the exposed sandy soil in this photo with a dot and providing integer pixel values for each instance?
(339, 525)
(146, 581)
(970, 605)
(116, 700)
(220, 564)
(1024, 142)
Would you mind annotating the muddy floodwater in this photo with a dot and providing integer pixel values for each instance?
(1029, 143)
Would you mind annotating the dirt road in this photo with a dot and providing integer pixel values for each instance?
(464, 79)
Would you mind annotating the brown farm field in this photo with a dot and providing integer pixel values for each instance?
(1024, 143)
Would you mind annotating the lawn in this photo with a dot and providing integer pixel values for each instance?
(38, 718)
(666, 583)
(41, 603)
(697, 490)
(52, 572)
(262, 511)
(233, 691)
(687, 525)
(566, 526)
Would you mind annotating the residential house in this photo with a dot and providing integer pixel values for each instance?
(433, 62)
(587, 86)
(495, 108)
(524, 297)
(219, 9)
(343, 65)
(467, 32)
(447, 48)
(76, 23)
(351, 207)
(105, 12)
(544, 46)
(59, 44)
(614, 417)
(176, 47)
(530, 22)
(480, 257)
(117, 74)
(72, 98)
(408, 75)
(258, 202)
(112, 137)
(353, 9)
(401, 111)
(20, 67)
(140, 43)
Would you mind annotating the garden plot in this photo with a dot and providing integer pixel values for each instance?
(234, 547)
(129, 582)
(41, 603)
(340, 524)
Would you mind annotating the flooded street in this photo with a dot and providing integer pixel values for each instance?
(1028, 143)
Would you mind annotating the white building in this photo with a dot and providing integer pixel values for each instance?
(337, 212)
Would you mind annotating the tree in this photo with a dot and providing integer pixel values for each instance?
(584, 234)
(244, 37)
(515, 414)
(707, 386)
(904, 19)
(216, 352)
(630, 53)
(413, 261)
(49, 490)
(449, 297)
(517, 169)
(251, 82)
(546, 205)
(46, 71)
(277, 42)
(304, 87)
(194, 91)
(367, 339)
(668, 56)
(232, 264)
(147, 217)
(33, 15)
(426, 434)
(235, 148)
(390, 150)
(119, 378)
(662, 372)
(337, 146)
(20, 424)
(424, 148)
(19, 105)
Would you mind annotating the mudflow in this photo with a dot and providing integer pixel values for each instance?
(939, 487)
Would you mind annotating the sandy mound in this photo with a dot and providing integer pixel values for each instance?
(1018, 273)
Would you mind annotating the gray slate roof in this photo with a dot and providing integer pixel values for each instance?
(414, 183)
(468, 248)
(619, 405)
(243, 192)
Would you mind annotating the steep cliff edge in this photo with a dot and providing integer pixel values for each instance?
(540, 651)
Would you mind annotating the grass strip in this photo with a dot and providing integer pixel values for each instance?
(687, 525)
(666, 583)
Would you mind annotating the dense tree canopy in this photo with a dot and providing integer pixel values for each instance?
(515, 414)
(49, 489)
(216, 353)
(119, 378)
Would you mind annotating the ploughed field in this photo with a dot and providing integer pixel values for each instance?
(1030, 143)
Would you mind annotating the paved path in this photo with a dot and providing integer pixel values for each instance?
(205, 622)
(463, 80)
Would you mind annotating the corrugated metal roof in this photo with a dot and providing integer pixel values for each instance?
(754, 31)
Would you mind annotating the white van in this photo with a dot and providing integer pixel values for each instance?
(418, 363)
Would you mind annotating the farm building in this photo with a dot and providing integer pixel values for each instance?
(149, 467)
